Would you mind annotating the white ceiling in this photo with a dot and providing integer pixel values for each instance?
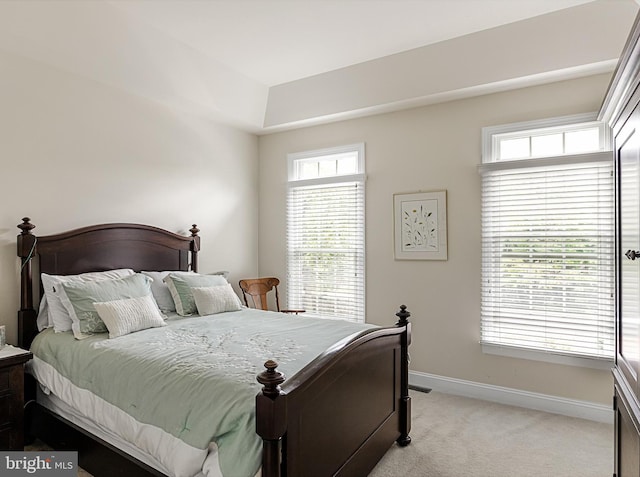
(275, 41)
(268, 65)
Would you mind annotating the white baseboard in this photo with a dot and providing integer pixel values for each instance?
(513, 397)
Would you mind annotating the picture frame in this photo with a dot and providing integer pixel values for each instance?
(420, 225)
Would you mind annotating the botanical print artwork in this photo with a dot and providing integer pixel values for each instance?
(419, 225)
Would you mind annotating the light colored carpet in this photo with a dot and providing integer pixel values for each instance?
(454, 436)
(41, 446)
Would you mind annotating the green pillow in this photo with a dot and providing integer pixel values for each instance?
(78, 299)
(180, 287)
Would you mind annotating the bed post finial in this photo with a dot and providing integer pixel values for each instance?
(404, 315)
(194, 230)
(271, 379)
(26, 226)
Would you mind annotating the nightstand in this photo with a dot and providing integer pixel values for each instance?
(12, 361)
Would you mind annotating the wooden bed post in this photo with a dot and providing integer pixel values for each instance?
(27, 327)
(405, 399)
(195, 247)
(271, 413)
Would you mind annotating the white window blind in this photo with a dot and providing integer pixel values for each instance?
(325, 234)
(548, 255)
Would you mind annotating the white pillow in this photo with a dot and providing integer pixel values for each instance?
(215, 299)
(160, 291)
(130, 314)
(57, 312)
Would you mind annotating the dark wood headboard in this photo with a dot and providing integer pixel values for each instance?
(92, 249)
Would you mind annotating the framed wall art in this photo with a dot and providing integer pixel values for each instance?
(420, 221)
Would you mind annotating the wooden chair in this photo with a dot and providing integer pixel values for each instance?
(257, 289)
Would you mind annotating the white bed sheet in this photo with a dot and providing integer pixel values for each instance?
(145, 442)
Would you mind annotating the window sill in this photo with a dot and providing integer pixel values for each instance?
(581, 361)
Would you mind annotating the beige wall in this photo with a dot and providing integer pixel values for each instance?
(76, 152)
(431, 148)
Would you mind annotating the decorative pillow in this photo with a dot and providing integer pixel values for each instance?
(57, 312)
(129, 314)
(180, 287)
(78, 299)
(161, 291)
(217, 299)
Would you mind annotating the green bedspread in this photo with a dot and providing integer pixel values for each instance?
(196, 377)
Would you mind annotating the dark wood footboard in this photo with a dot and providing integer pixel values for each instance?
(340, 414)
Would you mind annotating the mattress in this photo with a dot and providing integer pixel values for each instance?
(91, 413)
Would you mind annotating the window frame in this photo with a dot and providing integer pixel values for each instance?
(295, 157)
(490, 133)
(490, 161)
(359, 176)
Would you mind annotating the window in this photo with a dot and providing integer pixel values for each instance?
(325, 232)
(547, 241)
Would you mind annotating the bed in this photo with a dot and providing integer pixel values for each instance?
(335, 414)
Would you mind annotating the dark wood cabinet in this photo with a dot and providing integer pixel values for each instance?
(12, 362)
(627, 437)
(621, 111)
